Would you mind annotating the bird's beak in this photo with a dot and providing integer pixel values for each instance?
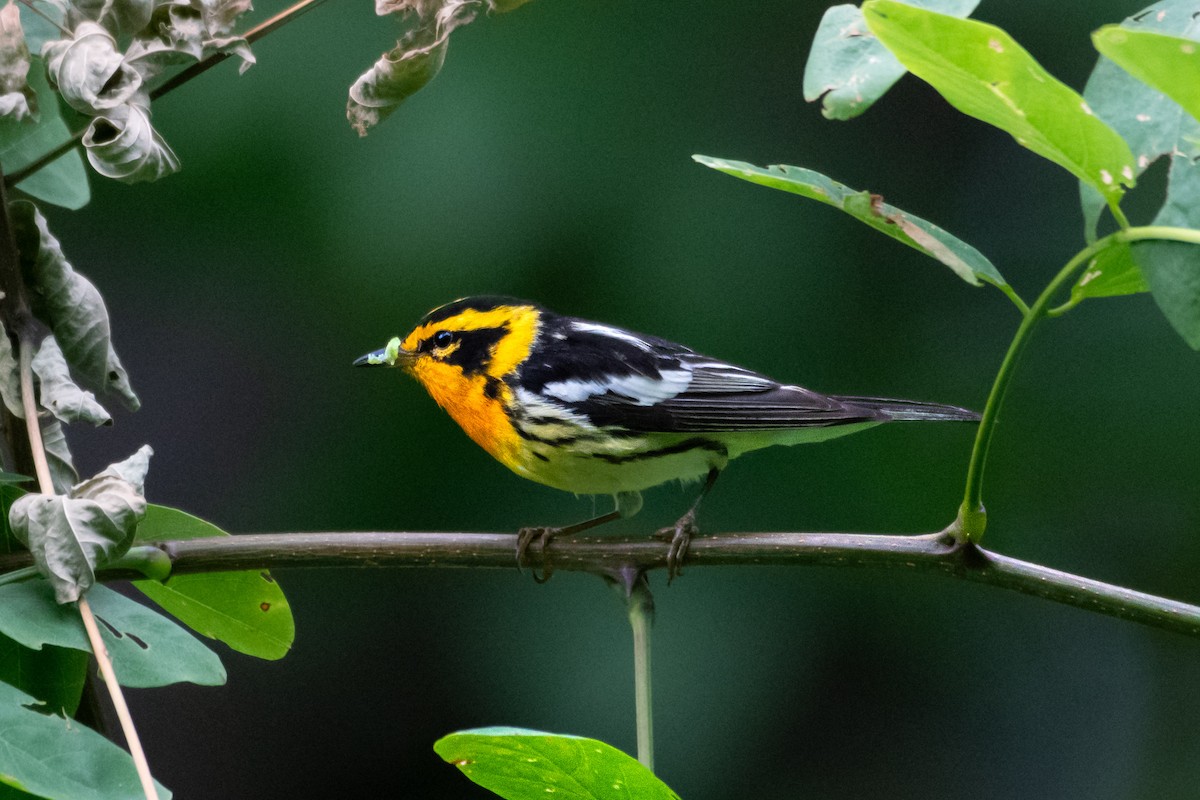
(394, 355)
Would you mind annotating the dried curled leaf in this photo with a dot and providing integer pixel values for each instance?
(69, 304)
(17, 99)
(189, 30)
(417, 57)
(10, 377)
(119, 17)
(60, 395)
(122, 144)
(58, 454)
(90, 72)
(71, 536)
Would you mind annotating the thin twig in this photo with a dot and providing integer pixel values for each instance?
(118, 698)
(33, 428)
(46, 484)
(30, 5)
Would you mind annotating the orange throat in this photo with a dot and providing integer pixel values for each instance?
(481, 417)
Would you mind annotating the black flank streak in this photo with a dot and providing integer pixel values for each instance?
(682, 447)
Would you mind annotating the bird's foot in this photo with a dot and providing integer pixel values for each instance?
(680, 537)
(543, 535)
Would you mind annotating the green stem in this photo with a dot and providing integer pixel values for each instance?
(18, 575)
(972, 518)
(640, 605)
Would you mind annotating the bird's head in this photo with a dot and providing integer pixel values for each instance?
(460, 343)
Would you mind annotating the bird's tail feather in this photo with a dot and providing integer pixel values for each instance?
(891, 409)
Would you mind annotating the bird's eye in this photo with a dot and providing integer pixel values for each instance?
(443, 339)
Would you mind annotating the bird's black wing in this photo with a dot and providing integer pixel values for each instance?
(618, 378)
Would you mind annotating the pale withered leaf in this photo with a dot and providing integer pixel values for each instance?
(17, 99)
(122, 144)
(10, 377)
(70, 536)
(189, 30)
(69, 304)
(417, 57)
(90, 72)
(119, 17)
(59, 394)
(58, 454)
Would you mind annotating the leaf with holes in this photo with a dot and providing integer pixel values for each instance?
(1169, 64)
(54, 675)
(147, 649)
(1152, 123)
(520, 764)
(246, 610)
(848, 68)
(50, 757)
(986, 74)
(70, 536)
(966, 262)
(1111, 273)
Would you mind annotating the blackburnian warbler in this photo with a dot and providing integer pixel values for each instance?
(594, 409)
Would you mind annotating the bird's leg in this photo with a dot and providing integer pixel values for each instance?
(628, 504)
(680, 536)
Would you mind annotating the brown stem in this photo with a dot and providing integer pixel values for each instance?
(615, 557)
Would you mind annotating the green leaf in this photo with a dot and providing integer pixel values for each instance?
(1169, 64)
(1172, 270)
(70, 536)
(147, 649)
(984, 73)
(1110, 274)
(63, 181)
(59, 759)
(966, 262)
(520, 764)
(69, 303)
(848, 68)
(246, 610)
(12, 477)
(54, 675)
(1152, 123)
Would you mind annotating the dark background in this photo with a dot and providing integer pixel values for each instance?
(551, 160)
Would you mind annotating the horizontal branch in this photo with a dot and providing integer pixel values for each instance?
(618, 556)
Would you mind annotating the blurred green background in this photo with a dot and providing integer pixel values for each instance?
(551, 160)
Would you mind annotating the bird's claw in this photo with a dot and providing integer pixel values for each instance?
(680, 538)
(525, 537)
